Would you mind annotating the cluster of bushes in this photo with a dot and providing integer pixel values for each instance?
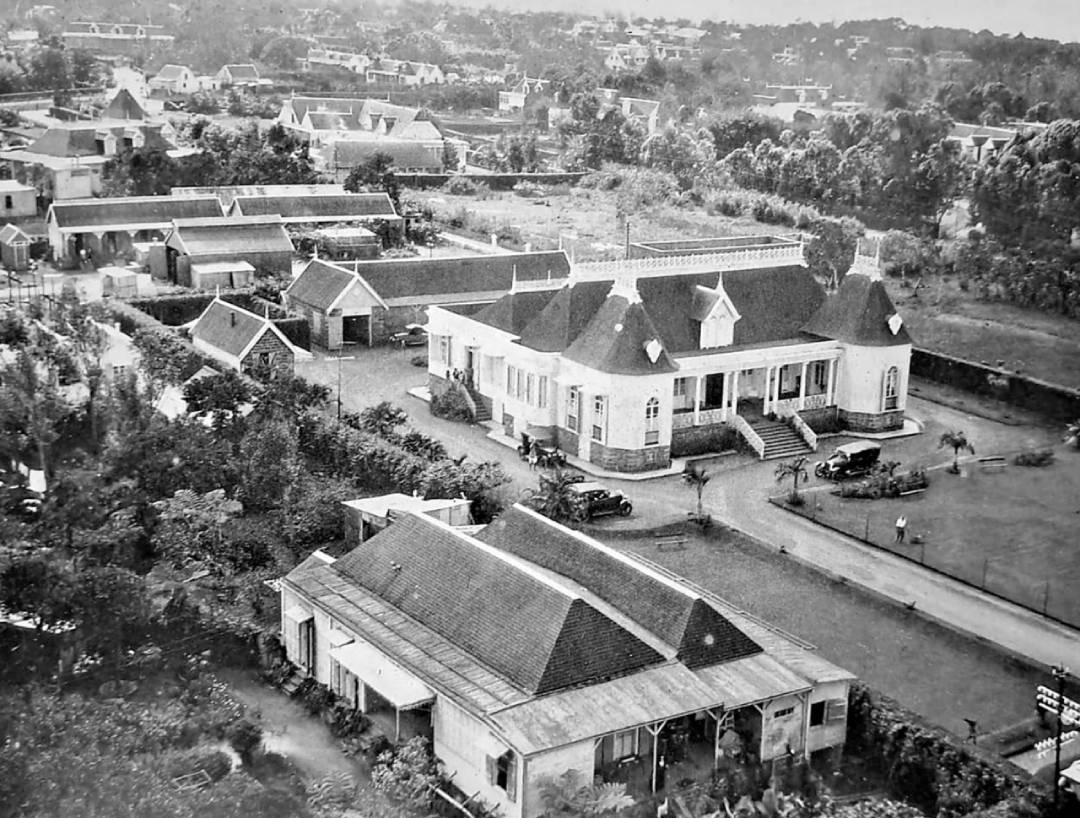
(720, 440)
(1034, 457)
(177, 309)
(927, 765)
(252, 106)
(766, 208)
(464, 186)
(451, 405)
(482, 227)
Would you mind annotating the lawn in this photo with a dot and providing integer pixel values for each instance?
(1012, 532)
(934, 671)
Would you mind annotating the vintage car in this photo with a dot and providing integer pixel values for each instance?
(414, 335)
(850, 460)
(547, 452)
(595, 500)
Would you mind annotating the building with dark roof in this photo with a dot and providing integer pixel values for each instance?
(367, 301)
(528, 649)
(252, 244)
(627, 364)
(243, 341)
(104, 230)
(319, 208)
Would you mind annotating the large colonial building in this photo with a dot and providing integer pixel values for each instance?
(621, 360)
(529, 650)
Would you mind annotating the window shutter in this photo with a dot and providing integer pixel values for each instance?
(492, 770)
(837, 710)
(292, 640)
(511, 777)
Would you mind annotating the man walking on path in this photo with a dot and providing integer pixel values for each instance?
(901, 528)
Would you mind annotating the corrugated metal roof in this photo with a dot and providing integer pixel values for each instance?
(205, 237)
(318, 207)
(141, 212)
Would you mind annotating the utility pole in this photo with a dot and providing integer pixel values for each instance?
(340, 358)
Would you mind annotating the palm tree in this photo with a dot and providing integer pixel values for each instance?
(795, 469)
(697, 477)
(957, 441)
(555, 498)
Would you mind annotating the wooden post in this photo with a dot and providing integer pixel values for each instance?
(397, 725)
(655, 733)
(698, 383)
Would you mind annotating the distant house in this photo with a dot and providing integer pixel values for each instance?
(243, 75)
(14, 248)
(174, 79)
(643, 111)
(226, 251)
(365, 302)
(107, 229)
(331, 58)
(981, 142)
(243, 341)
(528, 650)
(17, 201)
(368, 516)
(514, 100)
(114, 39)
(72, 153)
(403, 72)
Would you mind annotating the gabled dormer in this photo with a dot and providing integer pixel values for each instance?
(716, 316)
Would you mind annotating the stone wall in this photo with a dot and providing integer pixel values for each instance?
(629, 460)
(283, 356)
(568, 441)
(693, 440)
(871, 421)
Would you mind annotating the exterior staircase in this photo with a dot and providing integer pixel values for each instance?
(483, 411)
(290, 685)
(780, 439)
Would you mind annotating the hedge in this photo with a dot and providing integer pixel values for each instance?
(494, 181)
(928, 766)
(174, 309)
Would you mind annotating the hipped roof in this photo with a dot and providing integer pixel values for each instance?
(858, 313)
(617, 340)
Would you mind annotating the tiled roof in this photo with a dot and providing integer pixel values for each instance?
(156, 210)
(229, 234)
(514, 311)
(460, 276)
(617, 338)
(858, 313)
(493, 605)
(229, 328)
(320, 284)
(340, 207)
(699, 633)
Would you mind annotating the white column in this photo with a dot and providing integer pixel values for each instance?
(830, 398)
(776, 386)
(698, 384)
(726, 396)
(768, 390)
(735, 392)
(802, 387)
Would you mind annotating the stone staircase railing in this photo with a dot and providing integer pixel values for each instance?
(804, 430)
(739, 424)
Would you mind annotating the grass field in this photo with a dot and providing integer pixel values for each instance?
(1012, 532)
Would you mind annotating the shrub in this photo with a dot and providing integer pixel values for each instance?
(408, 774)
(419, 361)
(245, 736)
(451, 405)
(460, 186)
(1034, 457)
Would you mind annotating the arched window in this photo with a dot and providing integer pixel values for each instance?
(652, 422)
(892, 389)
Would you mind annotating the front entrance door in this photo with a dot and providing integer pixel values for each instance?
(307, 646)
(355, 329)
(470, 368)
(714, 391)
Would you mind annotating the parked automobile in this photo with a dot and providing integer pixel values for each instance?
(595, 500)
(548, 454)
(850, 460)
(414, 335)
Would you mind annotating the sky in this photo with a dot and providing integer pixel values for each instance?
(1055, 19)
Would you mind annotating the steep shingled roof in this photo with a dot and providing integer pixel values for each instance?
(229, 328)
(461, 276)
(320, 284)
(700, 634)
(322, 206)
(858, 313)
(565, 316)
(505, 613)
(124, 106)
(616, 339)
(514, 311)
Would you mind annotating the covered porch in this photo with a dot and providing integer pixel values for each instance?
(783, 388)
(397, 701)
(104, 247)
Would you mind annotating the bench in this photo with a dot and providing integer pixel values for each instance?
(911, 491)
(992, 463)
(671, 544)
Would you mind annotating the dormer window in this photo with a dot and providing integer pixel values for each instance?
(117, 30)
(716, 316)
(94, 28)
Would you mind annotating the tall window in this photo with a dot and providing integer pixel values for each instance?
(625, 744)
(444, 349)
(679, 390)
(542, 392)
(530, 388)
(573, 408)
(652, 422)
(599, 409)
(502, 773)
(819, 374)
(511, 380)
(892, 387)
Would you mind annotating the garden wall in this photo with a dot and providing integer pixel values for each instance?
(494, 181)
(180, 308)
(1056, 402)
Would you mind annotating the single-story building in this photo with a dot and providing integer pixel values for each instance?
(243, 340)
(174, 79)
(14, 248)
(17, 201)
(107, 229)
(228, 193)
(245, 75)
(347, 243)
(367, 301)
(260, 241)
(320, 208)
(368, 516)
(528, 650)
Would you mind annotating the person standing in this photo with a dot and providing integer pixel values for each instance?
(901, 528)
